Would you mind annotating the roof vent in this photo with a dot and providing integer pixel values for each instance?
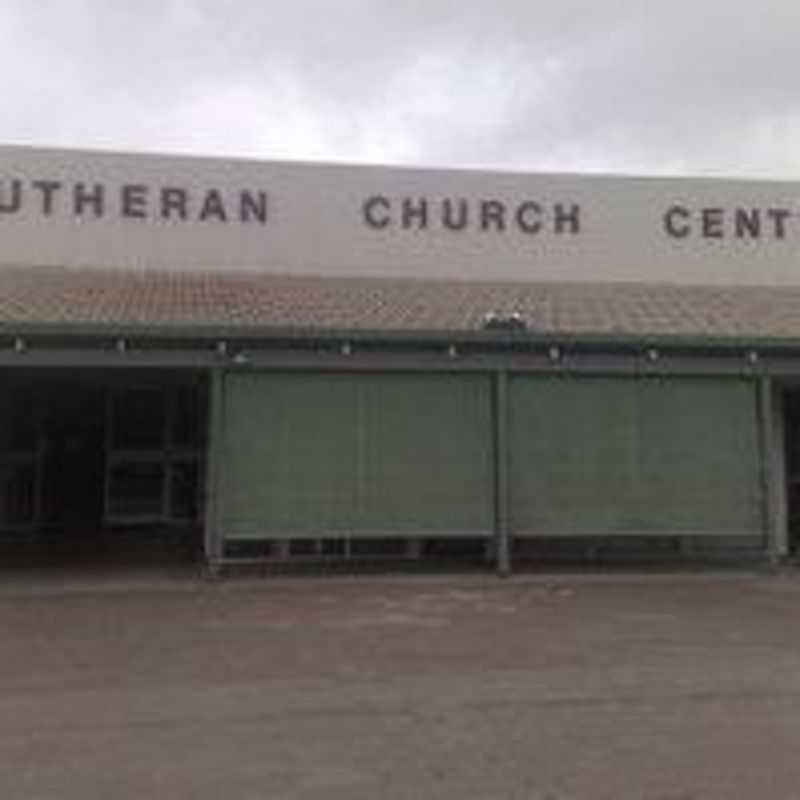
(504, 321)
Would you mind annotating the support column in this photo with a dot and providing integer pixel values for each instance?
(213, 543)
(502, 527)
(773, 469)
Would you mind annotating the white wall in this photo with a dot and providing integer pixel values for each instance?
(316, 223)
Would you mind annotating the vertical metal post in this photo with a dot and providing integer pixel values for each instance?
(108, 461)
(773, 469)
(40, 465)
(779, 483)
(169, 414)
(501, 465)
(213, 543)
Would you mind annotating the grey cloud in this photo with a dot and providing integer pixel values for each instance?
(616, 86)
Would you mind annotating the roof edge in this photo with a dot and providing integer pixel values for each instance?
(183, 331)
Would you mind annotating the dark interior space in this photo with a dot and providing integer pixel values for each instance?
(101, 467)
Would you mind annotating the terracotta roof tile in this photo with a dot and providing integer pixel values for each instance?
(49, 295)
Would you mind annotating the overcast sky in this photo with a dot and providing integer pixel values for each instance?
(687, 86)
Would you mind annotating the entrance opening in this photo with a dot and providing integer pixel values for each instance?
(101, 466)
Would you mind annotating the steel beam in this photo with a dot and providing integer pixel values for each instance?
(213, 540)
(501, 474)
(771, 414)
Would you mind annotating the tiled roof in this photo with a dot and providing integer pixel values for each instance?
(49, 295)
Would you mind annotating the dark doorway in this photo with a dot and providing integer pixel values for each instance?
(73, 433)
(102, 465)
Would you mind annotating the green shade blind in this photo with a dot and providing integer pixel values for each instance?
(592, 455)
(356, 454)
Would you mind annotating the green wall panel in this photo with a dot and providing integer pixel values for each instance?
(356, 454)
(603, 455)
